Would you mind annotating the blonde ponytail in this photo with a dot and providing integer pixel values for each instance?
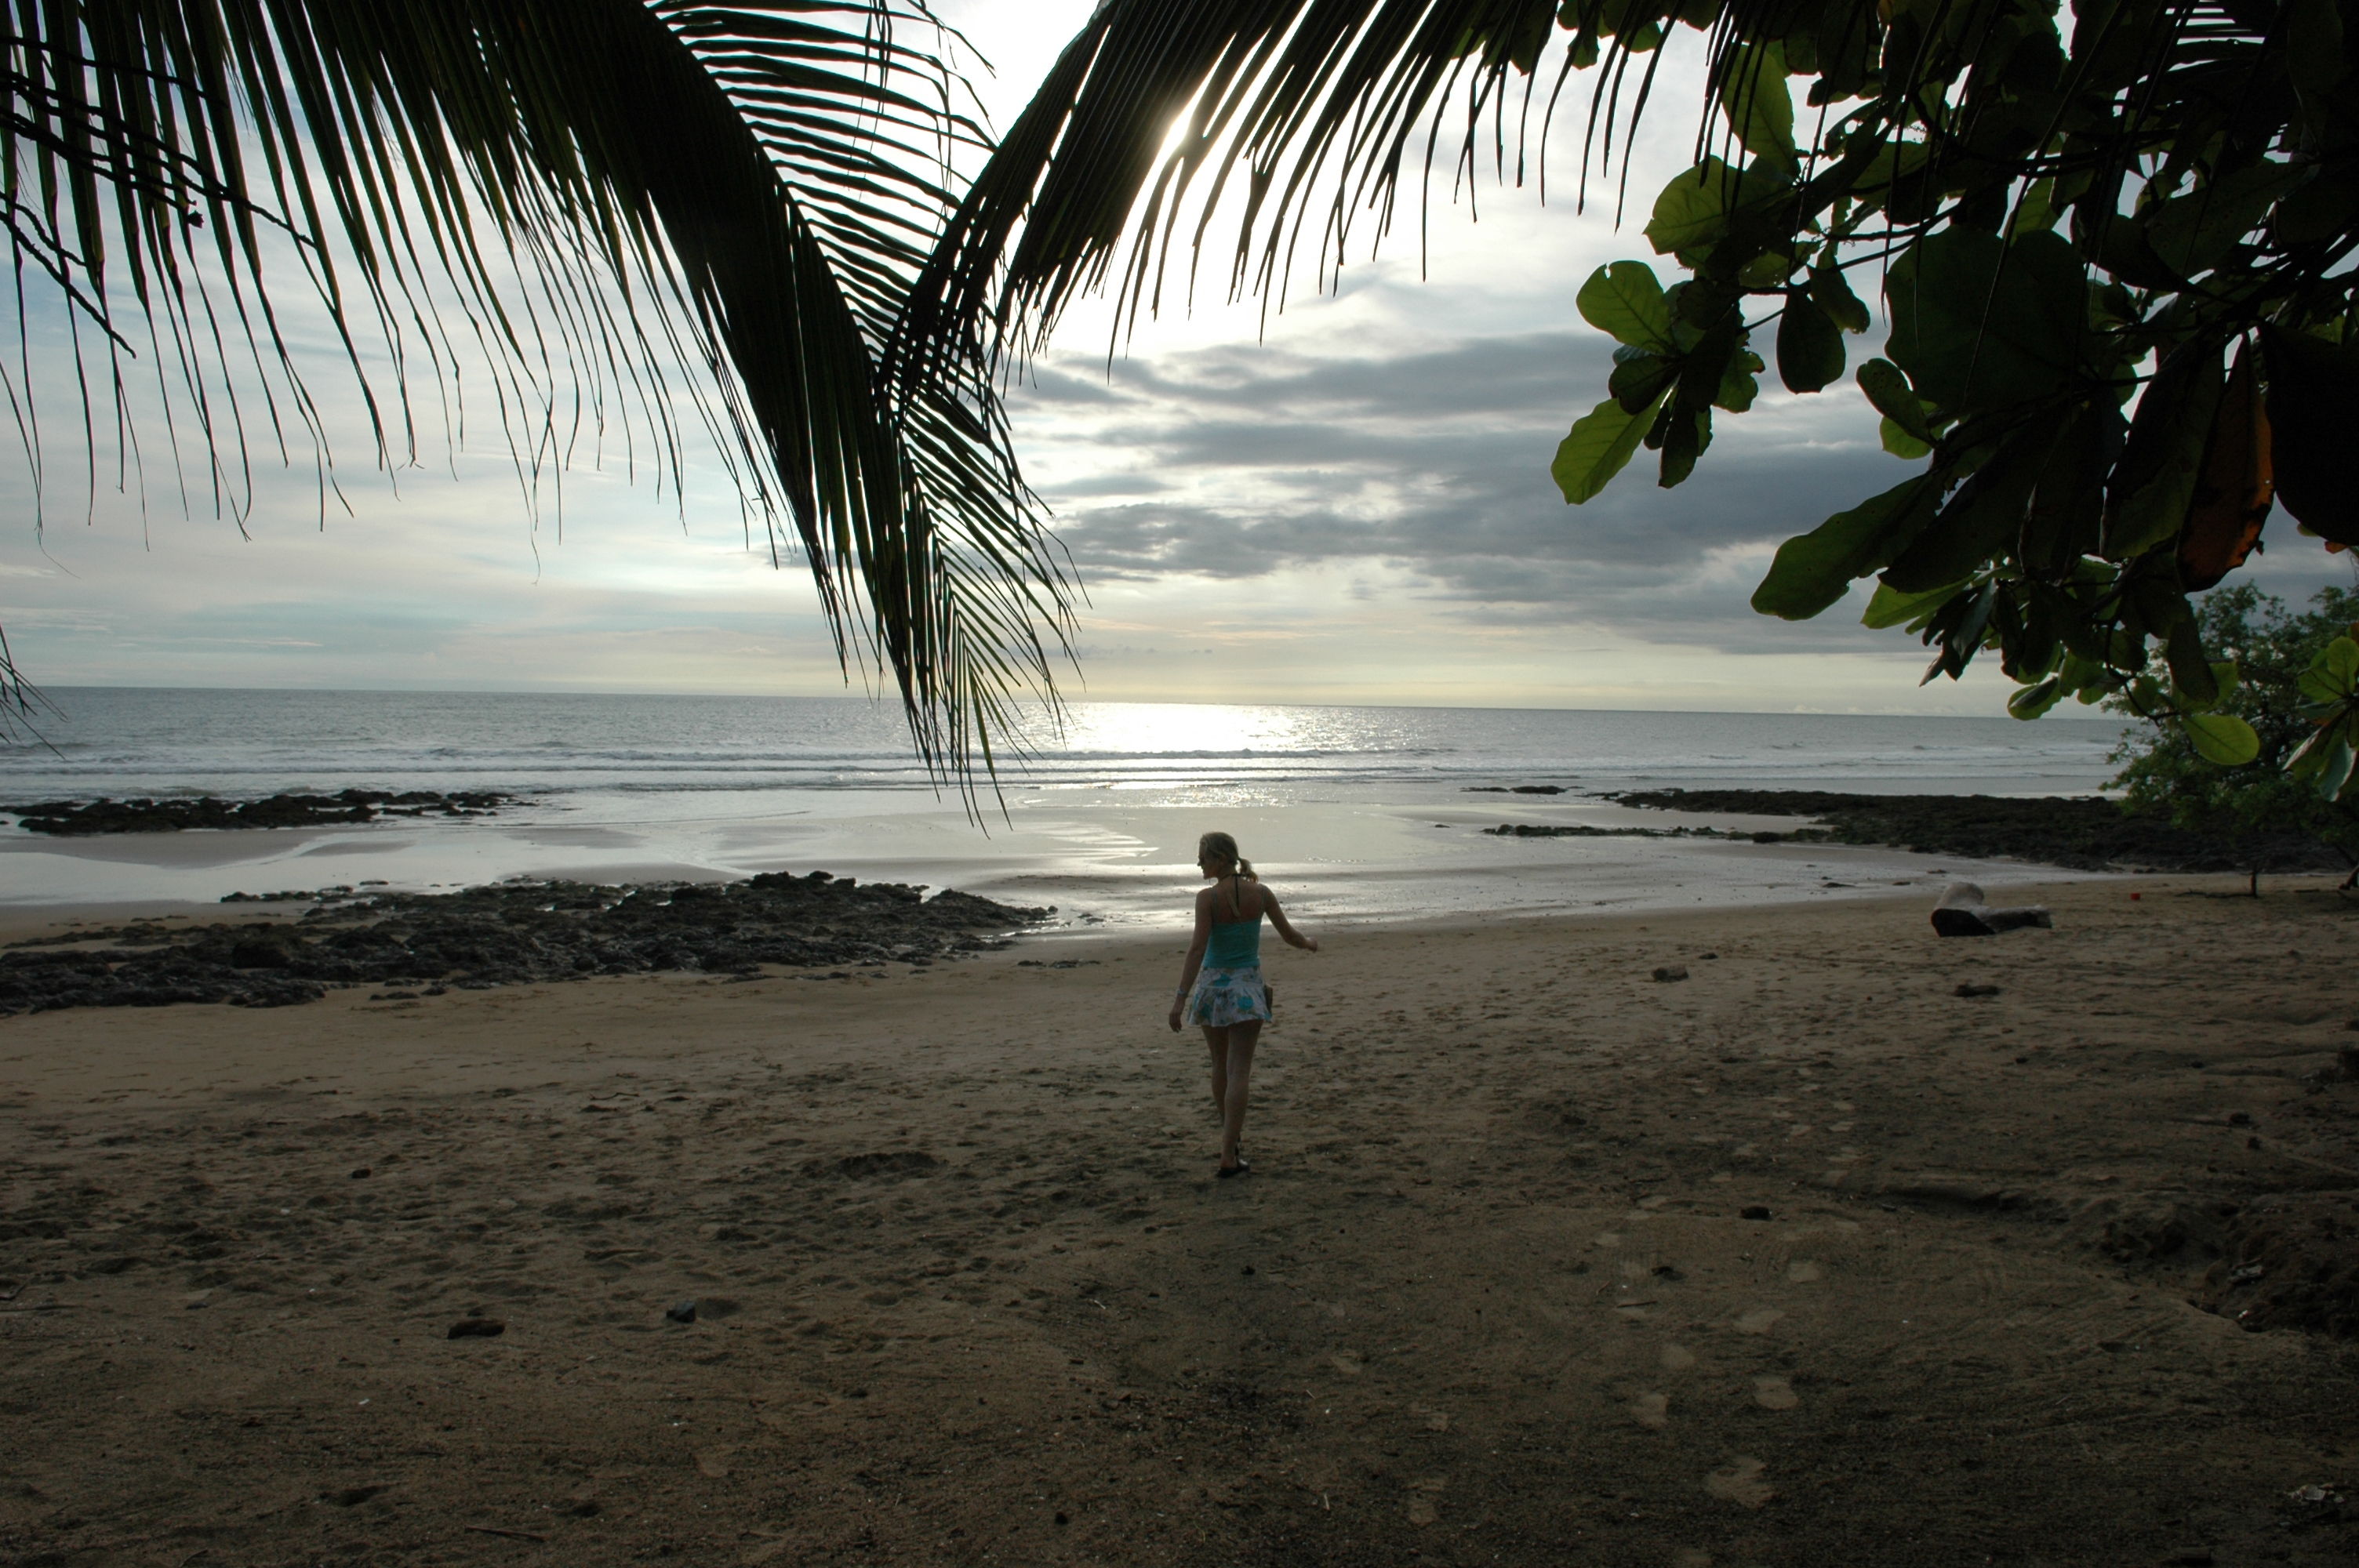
(1220, 846)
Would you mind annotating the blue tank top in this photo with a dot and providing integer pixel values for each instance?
(1235, 944)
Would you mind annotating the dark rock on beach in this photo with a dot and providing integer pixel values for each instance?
(2083, 833)
(503, 935)
(76, 819)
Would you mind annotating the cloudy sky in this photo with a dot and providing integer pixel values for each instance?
(1346, 501)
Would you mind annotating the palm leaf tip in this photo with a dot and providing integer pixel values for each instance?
(705, 212)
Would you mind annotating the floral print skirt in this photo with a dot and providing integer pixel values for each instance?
(1223, 997)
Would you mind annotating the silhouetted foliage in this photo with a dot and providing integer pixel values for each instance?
(2273, 648)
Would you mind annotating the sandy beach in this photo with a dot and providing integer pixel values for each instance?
(1805, 1258)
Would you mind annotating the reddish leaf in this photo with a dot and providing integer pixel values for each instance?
(2234, 488)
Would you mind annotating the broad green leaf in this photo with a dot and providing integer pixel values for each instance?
(1693, 209)
(2319, 208)
(1830, 293)
(1959, 630)
(2078, 674)
(2037, 209)
(2333, 674)
(1814, 569)
(2189, 670)
(1599, 445)
(1980, 324)
(2335, 776)
(2066, 511)
(1638, 378)
(1760, 107)
(2034, 700)
(2191, 234)
(2221, 738)
(1737, 386)
(2305, 763)
(1891, 608)
(1981, 520)
(1893, 160)
(1894, 398)
(1625, 300)
(1708, 363)
(1899, 442)
(1810, 346)
(2325, 759)
(2154, 483)
(1686, 435)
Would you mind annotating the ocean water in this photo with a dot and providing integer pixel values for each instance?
(1366, 813)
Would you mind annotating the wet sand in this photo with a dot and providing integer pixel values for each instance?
(1108, 859)
(967, 1293)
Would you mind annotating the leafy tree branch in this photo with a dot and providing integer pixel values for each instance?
(2111, 246)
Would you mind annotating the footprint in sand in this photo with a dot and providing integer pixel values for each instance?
(1652, 1411)
(1803, 1271)
(1740, 1482)
(1774, 1393)
(1760, 1320)
(1678, 1358)
(714, 1462)
(1690, 1557)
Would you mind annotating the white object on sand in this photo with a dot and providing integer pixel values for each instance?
(1963, 913)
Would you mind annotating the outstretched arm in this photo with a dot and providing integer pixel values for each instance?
(1285, 927)
(1195, 955)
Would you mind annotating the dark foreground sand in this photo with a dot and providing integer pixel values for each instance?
(1489, 1297)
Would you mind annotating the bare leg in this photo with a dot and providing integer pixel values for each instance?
(1237, 1080)
(1217, 1042)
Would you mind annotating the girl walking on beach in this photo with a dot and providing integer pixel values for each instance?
(1220, 990)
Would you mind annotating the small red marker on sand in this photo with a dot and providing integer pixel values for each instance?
(2135, 896)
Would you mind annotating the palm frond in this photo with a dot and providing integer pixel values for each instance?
(1160, 108)
(636, 212)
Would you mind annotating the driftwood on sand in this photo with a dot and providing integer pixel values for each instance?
(1963, 911)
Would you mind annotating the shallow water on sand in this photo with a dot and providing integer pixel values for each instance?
(1356, 813)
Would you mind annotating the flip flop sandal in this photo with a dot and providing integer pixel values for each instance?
(1225, 1172)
